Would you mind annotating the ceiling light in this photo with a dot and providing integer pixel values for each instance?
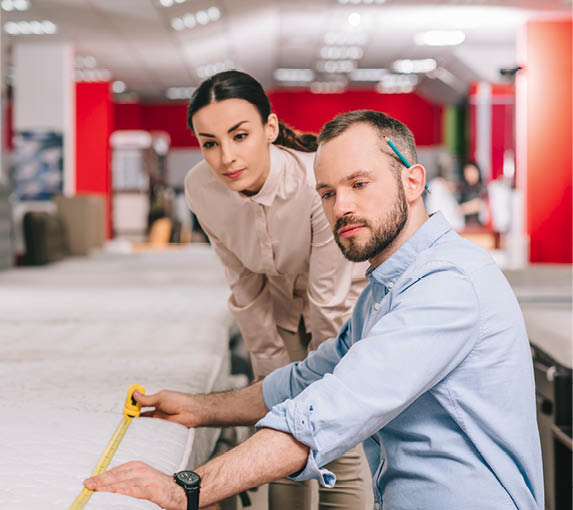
(335, 66)
(118, 87)
(91, 75)
(214, 13)
(440, 38)
(344, 52)
(414, 66)
(207, 70)
(189, 21)
(177, 24)
(397, 84)
(192, 20)
(49, 27)
(202, 17)
(327, 87)
(179, 92)
(294, 75)
(367, 74)
(166, 3)
(354, 19)
(18, 5)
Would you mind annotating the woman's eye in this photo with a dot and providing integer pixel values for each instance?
(208, 145)
(240, 136)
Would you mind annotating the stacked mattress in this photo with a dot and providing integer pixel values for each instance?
(73, 337)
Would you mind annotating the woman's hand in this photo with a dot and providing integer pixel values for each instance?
(171, 406)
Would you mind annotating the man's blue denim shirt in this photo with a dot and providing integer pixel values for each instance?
(433, 373)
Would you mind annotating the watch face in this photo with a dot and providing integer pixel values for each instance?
(188, 478)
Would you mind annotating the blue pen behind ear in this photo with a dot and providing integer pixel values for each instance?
(402, 158)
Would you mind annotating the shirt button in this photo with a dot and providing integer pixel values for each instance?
(390, 285)
(376, 306)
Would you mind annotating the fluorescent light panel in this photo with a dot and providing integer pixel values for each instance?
(341, 52)
(191, 20)
(15, 5)
(179, 92)
(44, 27)
(414, 66)
(294, 75)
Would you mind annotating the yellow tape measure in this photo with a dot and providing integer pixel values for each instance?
(130, 411)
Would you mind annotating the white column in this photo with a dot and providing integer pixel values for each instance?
(44, 96)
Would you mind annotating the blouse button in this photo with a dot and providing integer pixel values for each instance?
(376, 306)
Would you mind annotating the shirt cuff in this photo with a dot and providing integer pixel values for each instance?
(295, 420)
(276, 386)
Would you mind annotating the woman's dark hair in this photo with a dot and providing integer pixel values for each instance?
(471, 162)
(238, 85)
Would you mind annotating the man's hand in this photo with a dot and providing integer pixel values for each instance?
(171, 406)
(239, 407)
(141, 481)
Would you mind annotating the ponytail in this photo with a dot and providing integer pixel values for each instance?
(287, 137)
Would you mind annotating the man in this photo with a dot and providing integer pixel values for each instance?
(432, 373)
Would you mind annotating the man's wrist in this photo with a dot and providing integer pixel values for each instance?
(178, 497)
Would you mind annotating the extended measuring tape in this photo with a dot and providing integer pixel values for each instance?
(130, 411)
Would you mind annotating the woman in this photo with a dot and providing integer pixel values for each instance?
(473, 196)
(291, 288)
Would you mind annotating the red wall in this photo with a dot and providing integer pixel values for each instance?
(94, 123)
(302, 110)
(548, 135)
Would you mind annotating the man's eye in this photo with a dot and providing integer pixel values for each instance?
(327, 195)
(208, 145)
(360, 184)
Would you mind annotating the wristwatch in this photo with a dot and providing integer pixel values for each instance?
(191, 483)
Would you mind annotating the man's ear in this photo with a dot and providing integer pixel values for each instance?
(414, 181)
(272, 127)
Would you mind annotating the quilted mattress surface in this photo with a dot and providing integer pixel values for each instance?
(74, 336)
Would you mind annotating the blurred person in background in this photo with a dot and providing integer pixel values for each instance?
(291, 288)
(473, 193)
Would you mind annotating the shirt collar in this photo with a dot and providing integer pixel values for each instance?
(392, 268)
(267, 193)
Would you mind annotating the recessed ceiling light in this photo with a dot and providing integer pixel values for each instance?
(294, 75)
(354, 19)
(440, 38)
(176, 93)
(202, 17)
(18, 5)
(118, 87)
(166, 3)
(397, 84)
(344, 52)
(424, 65)
(335, 66)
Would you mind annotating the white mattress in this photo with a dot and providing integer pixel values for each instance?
(73, 337)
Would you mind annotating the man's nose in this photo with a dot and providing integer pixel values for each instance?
(344, 204)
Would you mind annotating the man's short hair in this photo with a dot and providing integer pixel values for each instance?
(397, 132)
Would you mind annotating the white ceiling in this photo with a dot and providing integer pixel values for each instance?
(134, 40)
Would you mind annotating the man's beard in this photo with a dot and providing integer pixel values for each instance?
(382, 234)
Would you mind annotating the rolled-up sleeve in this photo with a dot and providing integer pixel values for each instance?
(431, 326)
(334, 283)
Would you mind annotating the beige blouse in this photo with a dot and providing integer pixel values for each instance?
(279, 254)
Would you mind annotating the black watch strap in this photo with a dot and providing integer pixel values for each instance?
(192, 499)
